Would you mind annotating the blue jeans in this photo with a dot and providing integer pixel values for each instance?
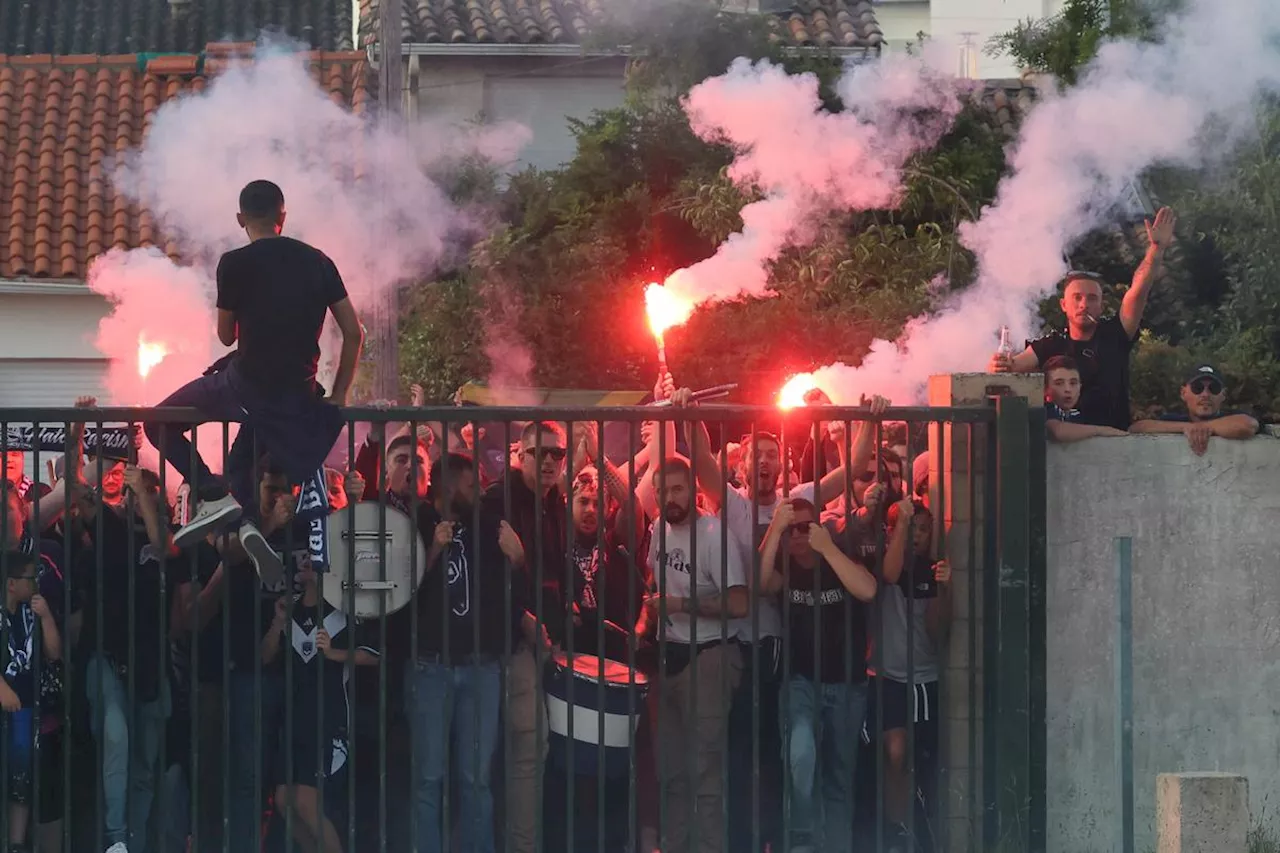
(218, 398)
(826, 720)
(129, 756)
(460, 702)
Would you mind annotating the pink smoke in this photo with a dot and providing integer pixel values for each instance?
(1138, 105)
(357, 189)
(807, 162)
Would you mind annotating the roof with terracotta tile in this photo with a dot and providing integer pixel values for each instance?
(806, 23)
(70, 27)
(62, 118)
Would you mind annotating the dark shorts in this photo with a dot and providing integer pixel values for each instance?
(22, 778)
(896, 707)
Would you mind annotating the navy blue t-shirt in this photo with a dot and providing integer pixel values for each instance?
(1053, 412)
(1184, 418)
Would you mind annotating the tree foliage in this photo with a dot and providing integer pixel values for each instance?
(563, 276)
(1217, 301)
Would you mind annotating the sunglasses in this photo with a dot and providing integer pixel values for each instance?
(556, 453)
(1199, 386)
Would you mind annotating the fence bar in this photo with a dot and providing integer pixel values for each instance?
(1124, 689)
(1011, 713)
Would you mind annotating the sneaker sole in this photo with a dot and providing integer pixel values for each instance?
(199, 528)
(265, 559)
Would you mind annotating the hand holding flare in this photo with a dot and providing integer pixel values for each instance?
(665, 309)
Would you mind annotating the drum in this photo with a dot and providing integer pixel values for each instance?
(366, 541)
(575, 694)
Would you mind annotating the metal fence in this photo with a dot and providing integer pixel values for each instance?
(551, 670)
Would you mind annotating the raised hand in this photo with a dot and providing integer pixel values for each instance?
(1160, 232)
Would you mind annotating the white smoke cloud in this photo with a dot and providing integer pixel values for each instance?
(357, 189)
(806, 161)
(1180, 101)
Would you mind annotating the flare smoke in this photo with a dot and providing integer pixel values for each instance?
(358, 191)
(1177, 101)
(805, 161)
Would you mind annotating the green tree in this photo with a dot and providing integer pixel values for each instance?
(643, 196)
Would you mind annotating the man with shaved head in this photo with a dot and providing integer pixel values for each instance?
(1099, 346)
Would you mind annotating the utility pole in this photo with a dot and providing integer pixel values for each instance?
(390, 101)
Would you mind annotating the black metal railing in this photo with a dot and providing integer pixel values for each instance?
(530, 639)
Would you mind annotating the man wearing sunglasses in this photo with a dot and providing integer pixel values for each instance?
(538, 512)
(1100, 346)
(1203, 393)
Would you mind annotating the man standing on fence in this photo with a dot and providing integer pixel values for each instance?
(273, 295)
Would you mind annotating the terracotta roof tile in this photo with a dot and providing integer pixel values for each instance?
(62, 121)
(806, 23)
(70, 27)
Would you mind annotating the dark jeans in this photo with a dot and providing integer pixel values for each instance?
(219, 397)
(744, 728)
(247, 756)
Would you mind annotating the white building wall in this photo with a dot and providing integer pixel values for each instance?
(978, 21)
(541, 93)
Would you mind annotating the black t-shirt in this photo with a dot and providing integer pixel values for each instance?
(250, 608)
(1184, 418)
(146, 606)
(1104, 370)
(612, 588)
(300, 642)
(279, 290)
(835, 617)
(468, 590)
(20, 656)
(1054, 412)
(196, 564)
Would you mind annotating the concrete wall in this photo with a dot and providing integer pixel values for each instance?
(1205, 630)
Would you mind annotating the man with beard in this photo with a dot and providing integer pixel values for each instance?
(537, 514)
(452, 684)
(121, 576)
(1203, 394)
(701, 584)
(1101, 348)
(747, 512)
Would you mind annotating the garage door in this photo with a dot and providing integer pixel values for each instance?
(544, 104)
(51, 381)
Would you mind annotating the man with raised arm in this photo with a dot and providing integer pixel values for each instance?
(273, 297)
(1100, 347)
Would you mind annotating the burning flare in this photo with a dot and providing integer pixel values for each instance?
(665, 308)
(150, 353)
(793, 393)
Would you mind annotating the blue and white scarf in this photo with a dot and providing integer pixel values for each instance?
(313, 508)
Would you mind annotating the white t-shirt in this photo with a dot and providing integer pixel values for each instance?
(677, 576)
(737, 513)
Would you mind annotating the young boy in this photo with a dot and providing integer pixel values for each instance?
(23, 607)
(317, 635)
(915, 614)
(1061, 394)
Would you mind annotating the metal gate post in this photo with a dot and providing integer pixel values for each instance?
(1009, 709)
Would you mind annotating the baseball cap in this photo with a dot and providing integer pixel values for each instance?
(1205, 371)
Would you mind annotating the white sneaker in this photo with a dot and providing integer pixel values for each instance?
(265, 559)
(118, 847)
(209, 515)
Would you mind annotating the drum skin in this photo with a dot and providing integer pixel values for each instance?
(404, 551)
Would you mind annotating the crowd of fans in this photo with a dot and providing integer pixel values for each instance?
(683, 649)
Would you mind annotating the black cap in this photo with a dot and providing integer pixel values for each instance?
(1205, 371)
